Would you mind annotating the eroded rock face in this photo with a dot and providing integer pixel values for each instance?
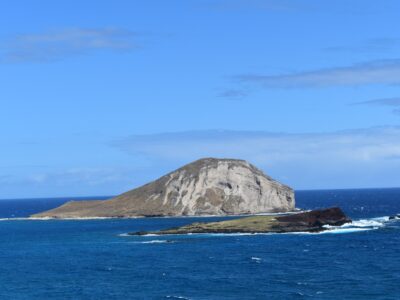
(205, 187)
(314, 220)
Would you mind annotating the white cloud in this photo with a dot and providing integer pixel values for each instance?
(85, 176)
(365, 144)
(365, 157)
(82, 181)
(344, 159)
(71, 176)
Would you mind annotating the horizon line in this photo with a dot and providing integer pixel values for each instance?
(111, 196)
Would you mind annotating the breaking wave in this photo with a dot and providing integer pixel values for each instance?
(15, 219)
(154, 242)
(176, 297)
(360, 225)
(124, 234)
(256, 259)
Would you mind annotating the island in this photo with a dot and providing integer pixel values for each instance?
(208, 186)
(311, 221)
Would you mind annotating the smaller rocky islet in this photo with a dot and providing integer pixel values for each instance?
(309, 221)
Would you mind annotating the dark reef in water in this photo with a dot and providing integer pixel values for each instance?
(311, 221)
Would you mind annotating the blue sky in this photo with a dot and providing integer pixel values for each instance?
(98, 97)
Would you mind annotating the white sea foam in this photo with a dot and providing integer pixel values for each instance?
(127, 234)
(154, 242)
(346, 230)
(300, 233)
(366, 223)
(359, 225)
(355, 226)
(14, 219)
(257, 259)
(124, 234)
(382, 219)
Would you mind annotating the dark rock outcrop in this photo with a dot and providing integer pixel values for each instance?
(312, 220)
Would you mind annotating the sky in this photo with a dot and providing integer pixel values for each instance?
(98, 97)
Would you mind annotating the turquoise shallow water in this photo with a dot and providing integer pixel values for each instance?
(92, 259)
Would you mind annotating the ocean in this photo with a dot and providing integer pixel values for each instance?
(95, 259)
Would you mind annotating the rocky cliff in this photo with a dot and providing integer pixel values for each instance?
(205, 187)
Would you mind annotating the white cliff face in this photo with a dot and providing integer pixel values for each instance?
(225, 187)
(205, 187)
(210, 187)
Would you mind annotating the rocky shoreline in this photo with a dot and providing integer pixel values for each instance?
(311, 221)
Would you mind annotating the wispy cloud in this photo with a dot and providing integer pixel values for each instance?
(233, 94)
(336, 159)
(389, 102)
(68, 177)
(374, 72)
(381, 102)
(353, 158)
(362, 145)
(371, 45)
(267, 5)
(287, 6)
(68, 182)
(56, 45)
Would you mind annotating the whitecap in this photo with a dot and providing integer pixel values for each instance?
(347, 230)
(127, 234)
(124, 234)
(358, 225)
(365, 223)
(332, 230)
(154, 242)
(382, 219)
(257, 259)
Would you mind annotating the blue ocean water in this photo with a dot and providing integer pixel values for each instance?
(93, 259)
